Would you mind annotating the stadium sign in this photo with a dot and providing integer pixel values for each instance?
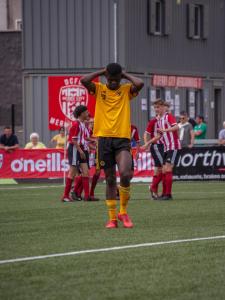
(52, 163)
(177, 81)
(201, 163)
(65, 93)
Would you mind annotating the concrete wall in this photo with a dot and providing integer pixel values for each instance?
(3, 15)
(10, 77)
(175, 52)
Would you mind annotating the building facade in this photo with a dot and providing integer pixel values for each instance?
(176, 46)
(11, 65)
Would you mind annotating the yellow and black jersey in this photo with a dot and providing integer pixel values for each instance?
(112, 111)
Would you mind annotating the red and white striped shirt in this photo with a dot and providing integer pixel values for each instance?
(134, 134)
(79, 133)
(170, 139)
(152, 130)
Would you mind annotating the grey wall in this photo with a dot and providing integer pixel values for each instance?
(175, 53)
(69, 34)
(10, 77)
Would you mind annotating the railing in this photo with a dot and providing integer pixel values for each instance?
(206, 142)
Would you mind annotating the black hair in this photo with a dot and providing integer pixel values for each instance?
(200, 117)
(183, 113)
(79, 110)
(114, 69)
(7, 127)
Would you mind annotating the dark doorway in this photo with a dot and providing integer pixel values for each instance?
(218, 111)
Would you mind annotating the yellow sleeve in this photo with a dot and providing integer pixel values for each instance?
(98, 86)
(127, 87)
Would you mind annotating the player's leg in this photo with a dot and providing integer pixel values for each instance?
(157, 153)
(171, 157)
(94, 182)
(72, 157)
(124, 163)
(78, 187)
(105, 159)
(85, 179)
(69, 180)
(110, 177)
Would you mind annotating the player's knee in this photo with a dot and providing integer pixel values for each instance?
(125, 177)
(111, 180)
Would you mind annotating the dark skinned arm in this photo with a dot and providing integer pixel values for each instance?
(137, 83)
(86, 80)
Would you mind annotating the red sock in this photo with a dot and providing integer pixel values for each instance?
(164, 184)
(169, 182)
(85, 181)
(80, 189)
(77, 183)
(93, 183)
(155, 182)
(68, 187)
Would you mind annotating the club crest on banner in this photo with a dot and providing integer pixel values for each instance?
(65, 93)
(71, 96)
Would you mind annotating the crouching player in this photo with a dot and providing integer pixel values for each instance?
(78, 153)
(112, 127)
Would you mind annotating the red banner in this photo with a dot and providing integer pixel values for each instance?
(177, 81)
(64, 94)
(52, 163)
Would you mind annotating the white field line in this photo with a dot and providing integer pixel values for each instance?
(31, 187)
(99, 193)
(22, 259)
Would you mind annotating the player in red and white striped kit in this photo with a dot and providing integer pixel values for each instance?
(89, 144)
(78, 153)
(151, 136)
(168, 129)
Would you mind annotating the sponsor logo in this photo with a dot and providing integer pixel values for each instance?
(1, 160)
(204, 159)
(52, 163)
(72, 95)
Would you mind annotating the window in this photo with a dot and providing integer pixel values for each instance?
(159, 17)
(160, 93)
(197, 21)
(199, 103)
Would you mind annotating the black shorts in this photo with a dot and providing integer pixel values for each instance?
(74, 156)
(157, 152)
(171, 157)
(108, 148)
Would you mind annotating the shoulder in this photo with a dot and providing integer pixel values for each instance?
(171, 118)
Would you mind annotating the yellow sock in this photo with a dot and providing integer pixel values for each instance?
(124, 197)
(111, 204)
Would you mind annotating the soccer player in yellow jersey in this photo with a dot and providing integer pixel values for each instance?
(112, 127)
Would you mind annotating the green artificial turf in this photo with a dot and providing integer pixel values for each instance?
(34, 222)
